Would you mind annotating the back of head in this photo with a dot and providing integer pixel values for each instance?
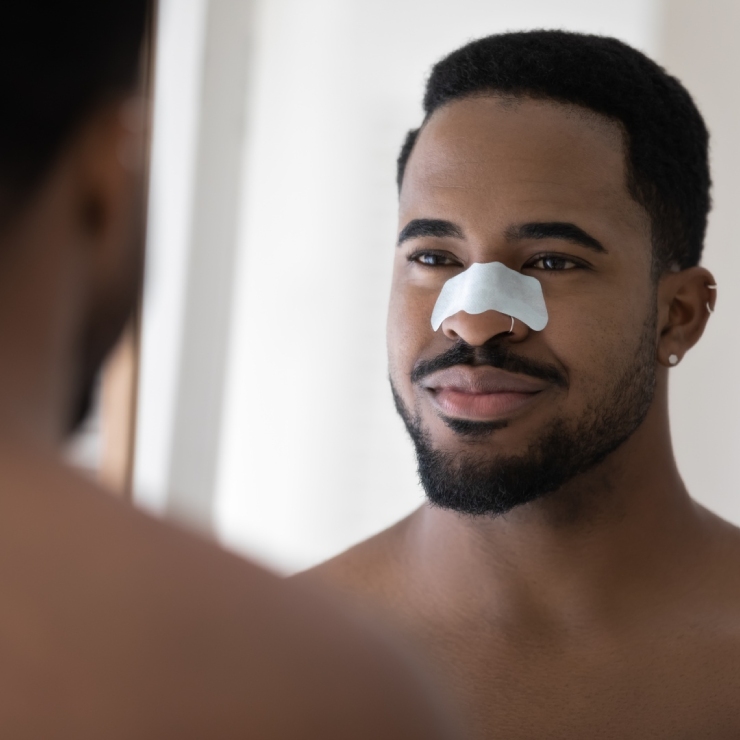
(58, 62)
(71, 192)
(666, 139)
(112, 624)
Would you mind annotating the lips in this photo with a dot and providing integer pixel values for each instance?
(480, 393)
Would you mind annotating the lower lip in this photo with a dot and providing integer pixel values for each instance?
(479, 406)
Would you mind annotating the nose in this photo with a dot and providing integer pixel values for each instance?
(477, 329)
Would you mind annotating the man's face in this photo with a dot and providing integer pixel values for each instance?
(500, 418)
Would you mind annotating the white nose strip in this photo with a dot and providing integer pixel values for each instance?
(492, 286)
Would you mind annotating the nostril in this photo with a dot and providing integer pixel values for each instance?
(449, 332)
(477, 329)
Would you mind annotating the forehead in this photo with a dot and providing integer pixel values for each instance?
(482, 158)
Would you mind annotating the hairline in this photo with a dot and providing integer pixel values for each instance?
(583, 110)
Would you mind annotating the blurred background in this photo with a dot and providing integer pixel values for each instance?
(263, 415)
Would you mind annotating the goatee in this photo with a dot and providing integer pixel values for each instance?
(470, 484)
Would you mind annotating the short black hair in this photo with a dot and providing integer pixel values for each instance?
(666, 138)
(58, 61)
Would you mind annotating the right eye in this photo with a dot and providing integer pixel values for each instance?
(432, 259)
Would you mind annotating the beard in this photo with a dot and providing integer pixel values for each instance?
(565, 448)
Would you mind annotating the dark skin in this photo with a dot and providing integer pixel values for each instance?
(113, 625)
(609, 608)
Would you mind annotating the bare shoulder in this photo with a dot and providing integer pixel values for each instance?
(716, 604)
(128, 627)
(707, 613)
(722, 565)
(373, 568)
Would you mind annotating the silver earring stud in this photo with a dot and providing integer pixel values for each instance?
(673, 359)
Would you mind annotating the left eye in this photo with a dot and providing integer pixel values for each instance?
(553, 262)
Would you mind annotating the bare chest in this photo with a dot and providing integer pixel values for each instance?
(538, 685)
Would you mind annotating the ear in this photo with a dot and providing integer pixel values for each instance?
(110, 160)
(110, 168)
(686, 299)
(111, 190)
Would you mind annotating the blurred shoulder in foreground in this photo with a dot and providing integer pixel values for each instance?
(112, 624)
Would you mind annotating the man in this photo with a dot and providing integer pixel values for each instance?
(560, 576)
(113, 625)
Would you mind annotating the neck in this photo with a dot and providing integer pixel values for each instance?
(628, 520)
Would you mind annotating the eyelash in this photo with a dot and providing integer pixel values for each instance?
(576, 264)
(414, 257)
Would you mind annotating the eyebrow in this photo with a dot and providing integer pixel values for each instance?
(429, 227)
(565, 231)
(555, 230)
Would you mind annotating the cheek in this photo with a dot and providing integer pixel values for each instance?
(409, 327)
(595, 335)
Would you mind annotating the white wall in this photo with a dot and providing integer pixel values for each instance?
(203, 52)
(177, 83)
(699, 44)
(308, 456)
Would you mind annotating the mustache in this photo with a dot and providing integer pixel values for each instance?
(493, 353)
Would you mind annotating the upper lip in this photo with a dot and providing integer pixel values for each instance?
(482, 379)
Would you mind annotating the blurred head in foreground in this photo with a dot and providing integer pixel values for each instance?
(113, 624)
(71, 198)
